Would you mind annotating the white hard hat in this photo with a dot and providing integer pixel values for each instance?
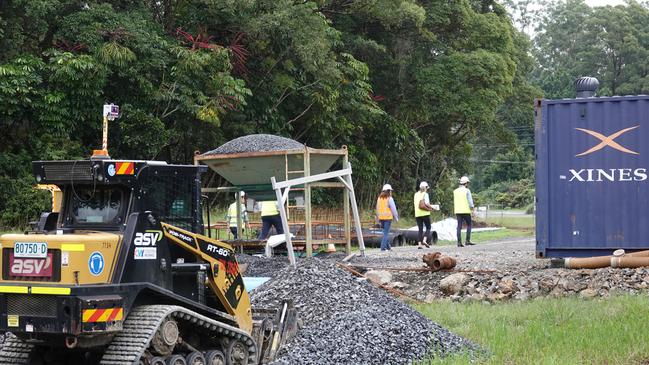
(423, 184)
(387, 187)
(240, 193)
(464, 180)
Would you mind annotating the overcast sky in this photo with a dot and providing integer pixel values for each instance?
(604, 2)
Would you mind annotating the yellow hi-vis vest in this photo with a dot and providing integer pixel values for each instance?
(232, 214)
(383, 210)
(419, 196)
(461, 202)
(268, 208)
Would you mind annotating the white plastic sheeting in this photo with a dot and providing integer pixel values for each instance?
(447, 229)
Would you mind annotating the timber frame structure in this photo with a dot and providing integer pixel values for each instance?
(252, 173)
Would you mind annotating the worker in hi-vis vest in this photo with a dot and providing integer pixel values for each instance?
(269, 218)
(463, 203)
(231, 216)
(422, 214)
(386, 211)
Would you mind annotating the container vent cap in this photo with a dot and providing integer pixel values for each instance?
(586, 87)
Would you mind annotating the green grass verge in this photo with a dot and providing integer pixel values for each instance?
(549, 331)
(480, 237)
(511, 221)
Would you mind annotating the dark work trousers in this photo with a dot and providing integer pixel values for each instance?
(463, 218)
(234, 232)
(268, 222)
(421, 222)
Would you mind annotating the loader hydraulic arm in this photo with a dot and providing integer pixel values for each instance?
(225, 279)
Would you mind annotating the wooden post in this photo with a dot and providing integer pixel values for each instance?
(282, 214)
(288, 212)
(307, 204)
(346, 222)
(237, 196)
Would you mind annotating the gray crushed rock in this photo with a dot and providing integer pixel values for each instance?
(349, 321)
(261, 266)
(256, 143)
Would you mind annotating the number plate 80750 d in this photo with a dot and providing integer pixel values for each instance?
(30, 249)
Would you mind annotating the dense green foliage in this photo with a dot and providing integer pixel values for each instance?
(406, 84)
(610, 43)
(570, 40)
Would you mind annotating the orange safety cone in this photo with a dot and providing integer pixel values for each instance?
(331, 248)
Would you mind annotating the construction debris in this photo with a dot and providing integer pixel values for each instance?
(346, 320)
(437, 262)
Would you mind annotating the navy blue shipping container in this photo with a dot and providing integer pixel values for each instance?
(592, 186)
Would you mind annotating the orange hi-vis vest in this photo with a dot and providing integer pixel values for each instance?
(383, 210)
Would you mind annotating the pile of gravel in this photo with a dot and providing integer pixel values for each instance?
(261, 266)
(349, 321)
(256, 143)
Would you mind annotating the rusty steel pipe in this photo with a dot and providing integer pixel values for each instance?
(598, 262)
(429, 258)
(444, 263)
(629, 262)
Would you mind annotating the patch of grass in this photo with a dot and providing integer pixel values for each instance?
(549, 331)
(510, 221)
(480, 237)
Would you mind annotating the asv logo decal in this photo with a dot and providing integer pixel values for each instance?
(148, 238)
(31, 267)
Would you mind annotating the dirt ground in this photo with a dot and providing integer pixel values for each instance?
(513, 253)
(494, 271)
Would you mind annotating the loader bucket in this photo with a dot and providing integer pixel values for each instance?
(272, 328)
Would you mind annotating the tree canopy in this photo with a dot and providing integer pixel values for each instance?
(407, 85)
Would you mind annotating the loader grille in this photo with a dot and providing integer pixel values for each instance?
(80, 171)
(31, 305)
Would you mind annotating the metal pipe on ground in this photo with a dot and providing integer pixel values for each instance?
(598, 262)
(429, 258)
(395, 240)
(412, 236)
(444, 263)
(629, 262)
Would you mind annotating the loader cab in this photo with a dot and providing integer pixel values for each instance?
(100, 195)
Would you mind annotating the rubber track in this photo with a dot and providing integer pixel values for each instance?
(14, 351)
(128, 346)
